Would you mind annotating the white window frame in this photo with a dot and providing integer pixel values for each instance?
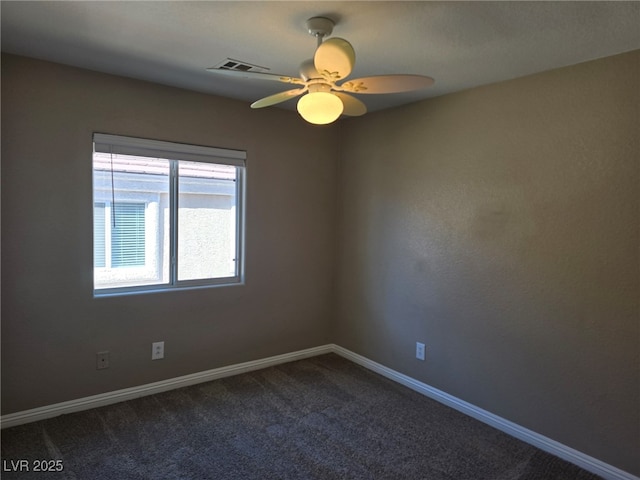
(117, 144)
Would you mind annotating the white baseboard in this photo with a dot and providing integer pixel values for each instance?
(540, 441)
(586, 462)
(108, 398)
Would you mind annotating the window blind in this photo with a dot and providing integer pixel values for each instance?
(98, 235)
(118, 144)
(127, 235)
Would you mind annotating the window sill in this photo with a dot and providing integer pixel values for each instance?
(119, 292)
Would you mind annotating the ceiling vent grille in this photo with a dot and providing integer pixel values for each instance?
(231, 64)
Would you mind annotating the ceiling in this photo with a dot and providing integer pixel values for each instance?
(460, 44)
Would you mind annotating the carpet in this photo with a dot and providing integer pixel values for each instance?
(320, 418)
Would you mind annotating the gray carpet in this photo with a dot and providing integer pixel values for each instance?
(321, 418)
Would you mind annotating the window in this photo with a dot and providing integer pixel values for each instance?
(165, 215)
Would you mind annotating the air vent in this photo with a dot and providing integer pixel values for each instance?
(231, 64)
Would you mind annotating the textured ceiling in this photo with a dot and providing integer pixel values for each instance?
(460, 44)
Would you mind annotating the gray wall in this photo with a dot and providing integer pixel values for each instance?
(51, 324)
(497, 225)
(500, 227)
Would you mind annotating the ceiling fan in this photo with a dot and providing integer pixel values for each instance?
(325, 94)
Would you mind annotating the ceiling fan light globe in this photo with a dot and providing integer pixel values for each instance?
(320, 108)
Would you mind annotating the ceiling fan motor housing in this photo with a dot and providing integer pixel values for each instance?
(308, 70)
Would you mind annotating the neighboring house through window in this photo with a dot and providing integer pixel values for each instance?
(119, 243)
(166, 215)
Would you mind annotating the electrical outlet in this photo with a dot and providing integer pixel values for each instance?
(102, 360)
(157, 350)
(420, 351)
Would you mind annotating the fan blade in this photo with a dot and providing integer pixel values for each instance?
(277, 98)
(352, 106)
(256, 75)
(387, 84)
(334, 59)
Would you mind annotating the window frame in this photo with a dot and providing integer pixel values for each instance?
(176, 152)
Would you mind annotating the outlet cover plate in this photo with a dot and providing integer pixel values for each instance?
(157, 350)
(102, 360)
(420, 350)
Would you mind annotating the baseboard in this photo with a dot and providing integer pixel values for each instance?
(586, 462)
(569, 454)
(94, 401)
